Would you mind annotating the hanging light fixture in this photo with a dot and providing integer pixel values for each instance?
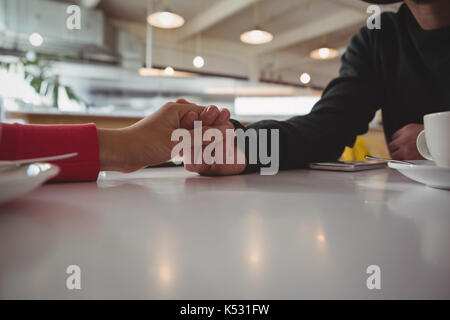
(165, 19)
(324, 52)
(305, 78)
(148, 70)
(169, 71)
(198, 61)
(257, 35)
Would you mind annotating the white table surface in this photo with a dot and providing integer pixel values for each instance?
(170, 234)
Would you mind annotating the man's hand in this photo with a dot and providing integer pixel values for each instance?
(219, 169)
(403, 144)
(148, 142)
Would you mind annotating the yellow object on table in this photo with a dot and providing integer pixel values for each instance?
(361, 148)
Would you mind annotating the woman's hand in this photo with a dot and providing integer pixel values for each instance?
(148, 142)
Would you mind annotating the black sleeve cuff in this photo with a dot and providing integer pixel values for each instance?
(250, 168)
(237, 124)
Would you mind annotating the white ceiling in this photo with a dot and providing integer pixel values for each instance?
(296, 25)
(135, 10)
(275, 15)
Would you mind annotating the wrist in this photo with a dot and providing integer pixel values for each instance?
(111, 144)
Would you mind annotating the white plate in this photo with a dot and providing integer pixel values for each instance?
(16, 182)
(426, 172)
(16, 163)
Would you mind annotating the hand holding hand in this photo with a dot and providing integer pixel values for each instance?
(148, 142)
(212, 117)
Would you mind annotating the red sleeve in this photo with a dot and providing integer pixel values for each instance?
(19, 141)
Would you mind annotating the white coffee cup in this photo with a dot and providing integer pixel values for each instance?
(433, 142)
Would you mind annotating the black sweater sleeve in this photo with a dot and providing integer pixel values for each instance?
(347, 106)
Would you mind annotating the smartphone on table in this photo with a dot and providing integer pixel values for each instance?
(349, 166)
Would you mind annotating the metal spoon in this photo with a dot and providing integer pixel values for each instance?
(388, 160)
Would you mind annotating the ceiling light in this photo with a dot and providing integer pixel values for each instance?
(198, 62)
(36, 39)
(165, 20)
(324, 53)
(256, 36)
(169, 71)
(305, 78)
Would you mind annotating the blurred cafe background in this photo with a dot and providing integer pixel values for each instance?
(122, 60)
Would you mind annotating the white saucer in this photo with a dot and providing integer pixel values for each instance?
(426, 172)
(16, 182)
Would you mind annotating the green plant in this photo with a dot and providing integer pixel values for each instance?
(38, 74)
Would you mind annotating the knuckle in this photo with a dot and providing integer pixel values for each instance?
(169, 106)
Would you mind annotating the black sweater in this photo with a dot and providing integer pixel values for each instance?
(400, 68)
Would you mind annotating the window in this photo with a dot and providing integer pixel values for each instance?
(256, 106)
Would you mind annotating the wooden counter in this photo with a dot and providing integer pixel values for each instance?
(102, 121)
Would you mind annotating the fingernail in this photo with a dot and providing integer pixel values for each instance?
(210, 112)
(223, 116)
(206, 110)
